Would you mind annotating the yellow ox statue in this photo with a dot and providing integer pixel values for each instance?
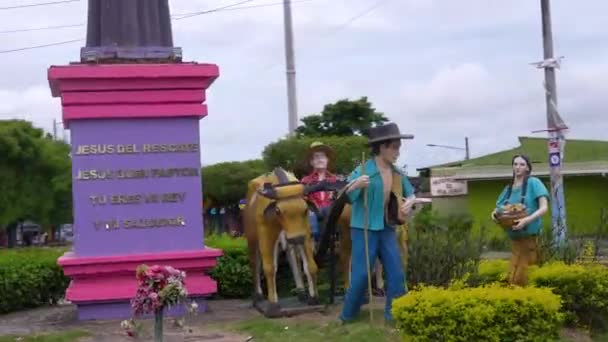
(275, 214)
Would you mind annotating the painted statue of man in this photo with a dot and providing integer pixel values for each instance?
(376, 177)
(320, 157)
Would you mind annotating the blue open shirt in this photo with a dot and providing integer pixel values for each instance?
(375, 196)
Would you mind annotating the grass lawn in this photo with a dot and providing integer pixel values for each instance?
(262, 329)
(9, 255)
(67, 336)
(314, 328)
(326, 328)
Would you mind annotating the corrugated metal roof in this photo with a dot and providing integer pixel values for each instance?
(472, 172)
(575, 151)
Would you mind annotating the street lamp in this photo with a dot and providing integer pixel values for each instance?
(466, 148)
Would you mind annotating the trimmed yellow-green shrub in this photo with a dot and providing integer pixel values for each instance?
(583, 288)
(492, 313)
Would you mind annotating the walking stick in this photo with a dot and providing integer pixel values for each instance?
(365, 227)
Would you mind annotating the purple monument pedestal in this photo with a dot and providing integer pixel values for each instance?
(136, 179)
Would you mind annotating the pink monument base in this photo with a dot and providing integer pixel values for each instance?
(126, 124)
(102, 287)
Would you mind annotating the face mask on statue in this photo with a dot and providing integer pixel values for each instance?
(319, 161)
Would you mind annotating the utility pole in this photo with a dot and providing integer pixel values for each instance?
(54, 129)
(554, 126)
(466, 146)
(292, 103)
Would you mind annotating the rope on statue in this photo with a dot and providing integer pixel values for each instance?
(365, 229)
(327, 236)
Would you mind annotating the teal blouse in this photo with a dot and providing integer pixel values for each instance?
(534, 191)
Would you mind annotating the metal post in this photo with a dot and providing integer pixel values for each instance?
(466, 146)
(292, 104)
(54, 129)
(556, 138)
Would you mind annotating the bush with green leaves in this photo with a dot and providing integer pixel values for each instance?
(583, 288)
(226, 183)
(232, 273)
(30, 278)
(492, 314)
(290, 153)
(35, 177)
(487, 272)
(441, 248)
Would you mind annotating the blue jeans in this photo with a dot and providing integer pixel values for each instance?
(314, 221)
(383, 245)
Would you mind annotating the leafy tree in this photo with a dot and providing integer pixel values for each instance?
(290, 153)
(35, 175)
(343, 118)
(226, 183)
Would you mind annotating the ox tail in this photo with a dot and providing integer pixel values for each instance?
(329, 227)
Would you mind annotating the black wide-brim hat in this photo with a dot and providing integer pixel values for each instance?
(386, 132)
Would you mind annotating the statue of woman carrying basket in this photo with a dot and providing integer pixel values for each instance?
(519, 209)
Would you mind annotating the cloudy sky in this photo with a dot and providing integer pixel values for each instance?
(441, 69)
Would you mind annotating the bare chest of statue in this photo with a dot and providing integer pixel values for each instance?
(387, 181)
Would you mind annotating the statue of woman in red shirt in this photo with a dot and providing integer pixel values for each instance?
(320, 157)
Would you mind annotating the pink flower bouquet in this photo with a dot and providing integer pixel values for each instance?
(158, 287)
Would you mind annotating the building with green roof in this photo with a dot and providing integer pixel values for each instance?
(477, 182)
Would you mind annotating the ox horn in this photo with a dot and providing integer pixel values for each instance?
(268, 191)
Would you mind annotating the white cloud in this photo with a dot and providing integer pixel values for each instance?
(33, 104)
(442, 69)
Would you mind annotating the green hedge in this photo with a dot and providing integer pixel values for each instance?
(232, 273)
(30, 277)
(479, 314)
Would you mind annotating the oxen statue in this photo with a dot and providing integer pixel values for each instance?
(277, 211)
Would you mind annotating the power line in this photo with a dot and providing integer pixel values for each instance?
(41, 46)
(360, 15)
(233, 8)
(182, 16)
(38, 4)
(174, 17)
(42, 28)
(343, 25)
(194, 14)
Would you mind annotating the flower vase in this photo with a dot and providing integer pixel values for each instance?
(158, 325)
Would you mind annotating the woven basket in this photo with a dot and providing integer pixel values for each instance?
(508, 219)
